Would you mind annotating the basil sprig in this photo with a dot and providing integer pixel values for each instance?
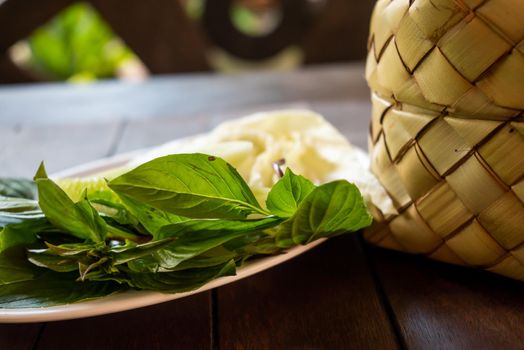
(172, 225)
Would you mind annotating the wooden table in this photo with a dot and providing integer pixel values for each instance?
(343, 294)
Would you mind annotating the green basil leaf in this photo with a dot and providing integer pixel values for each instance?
(108, 203)
(14, 239)
(23, 234)
(192, 238)
(180, 281)
(14, 270)
(330, 209)
(53, 288)
(17, 187)
(14, 266)
(80, 219)
(254, 243)
(16, 218)
(53, 262)
(151, 218)
(17, 205)
(131, 251)
(212, 257)
(66, 257)
(191, 185)
(73, 249)
(200, 228)
(16, 210)
(106, 196)
(287, 193)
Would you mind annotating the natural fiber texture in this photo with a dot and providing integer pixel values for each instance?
(447, 129)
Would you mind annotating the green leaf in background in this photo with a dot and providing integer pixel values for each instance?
(18, 188)
(181, 281)
(77, 43)
(191, 185)
(330, 209)
(287, 193)
(80, 219)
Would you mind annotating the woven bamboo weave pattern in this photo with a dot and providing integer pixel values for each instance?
(447, 129)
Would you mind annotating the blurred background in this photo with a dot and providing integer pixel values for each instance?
(79, 42)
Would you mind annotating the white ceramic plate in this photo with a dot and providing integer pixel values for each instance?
(132, 299)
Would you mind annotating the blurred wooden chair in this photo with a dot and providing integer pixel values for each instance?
(168, 41)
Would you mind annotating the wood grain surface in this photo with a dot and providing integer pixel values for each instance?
(16, 27)
(190, 94)
(184, 324)
(159, 32)
(439, 306)
(324, 299)
(341, 295)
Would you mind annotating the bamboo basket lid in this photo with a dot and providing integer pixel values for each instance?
(447, 129)
(460, 56)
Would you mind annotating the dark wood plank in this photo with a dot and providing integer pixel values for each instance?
(324, 299)
(159, 32)
(10, 73)
(181, 95)
(19, 18)
(180, 324)
(440, 306)
(19, 336)
(340, 34)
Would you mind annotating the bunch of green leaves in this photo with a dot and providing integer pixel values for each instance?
(170, 225)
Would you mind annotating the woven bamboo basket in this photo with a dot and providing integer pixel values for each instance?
(447, 129)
